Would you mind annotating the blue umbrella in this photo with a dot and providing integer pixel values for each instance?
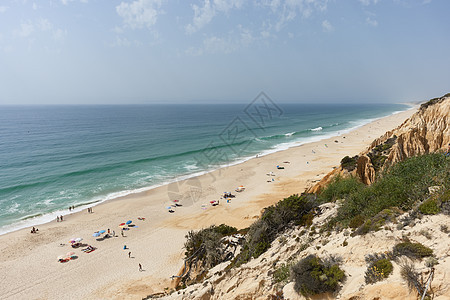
(96, 234)
(129, 222)
(102, 231)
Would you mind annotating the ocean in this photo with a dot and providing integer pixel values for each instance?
(53, 157)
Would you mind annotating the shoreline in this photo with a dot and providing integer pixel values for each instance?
(39, 219)
(157, 242)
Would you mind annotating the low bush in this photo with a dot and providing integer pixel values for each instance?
(204, 247)
(378, 270)
(281, 274)
(313, 276)
(429, 207)
(401, 186)
(349, 163)
(294, 210)
(412, 250)
(340, 188)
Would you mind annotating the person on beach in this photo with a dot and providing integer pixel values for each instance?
(61, 218)
(140, 268)
(70, 208)
(57, 218)
(129, 254)
(114, 233)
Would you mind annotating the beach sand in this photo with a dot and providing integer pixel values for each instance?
(29, 266)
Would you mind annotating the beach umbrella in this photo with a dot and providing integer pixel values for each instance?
(78, 240)
(176, 201)
(129, 222)
(212, 201)
(102, 231)
(122, 224)
(96, 234)
(72, 241)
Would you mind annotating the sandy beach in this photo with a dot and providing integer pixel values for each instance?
(29, 265)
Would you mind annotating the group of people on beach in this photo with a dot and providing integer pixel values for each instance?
(71, 207)
(89, 210)
(34, 230)
(59, 218)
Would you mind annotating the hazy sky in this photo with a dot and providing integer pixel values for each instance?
(147, 51)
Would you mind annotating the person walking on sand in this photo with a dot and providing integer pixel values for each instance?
(57, 218)
(129, 254)
(140, 268)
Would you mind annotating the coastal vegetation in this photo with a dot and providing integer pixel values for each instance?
(313, 275)
(402, 187)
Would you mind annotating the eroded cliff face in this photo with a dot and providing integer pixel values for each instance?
(428, 130)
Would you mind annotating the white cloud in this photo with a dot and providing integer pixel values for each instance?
(327, 27)
(3, 9)
(25, 30)
(35, 7)
(59, 34)
(140, 13)
(232, 42)
(368, 2)
(371, 22)
(44, 25)
(66, 2)
(288, 10)
(204, 14)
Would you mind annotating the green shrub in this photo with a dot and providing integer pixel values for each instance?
(349, 163)
(281, 274)
(205, 245)
(429, 207)
(339, 188)
(403, 185)
(294, 210)
(412, 250)
(312, 276)
(225, 229)
(378, 270)
(357, 221)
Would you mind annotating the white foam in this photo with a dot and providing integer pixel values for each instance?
(289, 134)
(317, 129)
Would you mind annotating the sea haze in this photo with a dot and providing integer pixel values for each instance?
(52, 157)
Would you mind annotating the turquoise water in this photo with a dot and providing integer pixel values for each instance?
(52, 157)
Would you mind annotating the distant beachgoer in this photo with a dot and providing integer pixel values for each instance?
(70, 208)
(108, 231)
(61, 218)
(73, 207)
(57, 218)
(129, 254)
(140, 267)
(114, 233)
(121, 232)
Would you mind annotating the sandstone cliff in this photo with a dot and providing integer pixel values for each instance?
(428, 130)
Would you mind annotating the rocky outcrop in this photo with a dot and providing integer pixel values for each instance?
(428, 130)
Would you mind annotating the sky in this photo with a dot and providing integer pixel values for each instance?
(222, 51)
